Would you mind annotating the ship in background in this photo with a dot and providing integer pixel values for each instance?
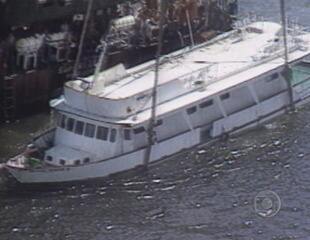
(39, 40)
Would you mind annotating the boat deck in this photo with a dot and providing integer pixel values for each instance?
(219, 59)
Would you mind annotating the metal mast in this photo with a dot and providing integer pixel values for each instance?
(287, 70)
(150, 131)
(79, 54)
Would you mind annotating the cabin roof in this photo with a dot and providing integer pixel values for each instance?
(221, 58)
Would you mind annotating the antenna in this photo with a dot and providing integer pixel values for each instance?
(150, 130)
(287, 70)
(79, 54)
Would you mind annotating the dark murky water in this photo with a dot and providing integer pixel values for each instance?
(201, 195)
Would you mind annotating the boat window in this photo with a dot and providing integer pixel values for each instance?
(79, 127)
(49, 158)
(62, 162)
(113, 135)
(102, 133)
(127, 134)
(225, 96)
(90, 130)
(77, 162)
(63, 121)
(272, 77)
(159, 122)
(139, 130)
(86, 160)
(70, 124)
(58, 118)
(191, 110)
(205, 104)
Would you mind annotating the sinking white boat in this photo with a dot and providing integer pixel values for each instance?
(232, 83)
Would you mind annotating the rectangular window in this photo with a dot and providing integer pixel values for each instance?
(102, 133)
(225, 96)
(90, 130)
(79, 127)
(127, 134)
(139, 130)
(63, 121)
(113, 135)
(191, 110)
(272, 77)
(205, 104)
(70, 124)
(158, 123)
(58, 118)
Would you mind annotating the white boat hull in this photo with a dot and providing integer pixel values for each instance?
(196, 104)
(235, 123)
